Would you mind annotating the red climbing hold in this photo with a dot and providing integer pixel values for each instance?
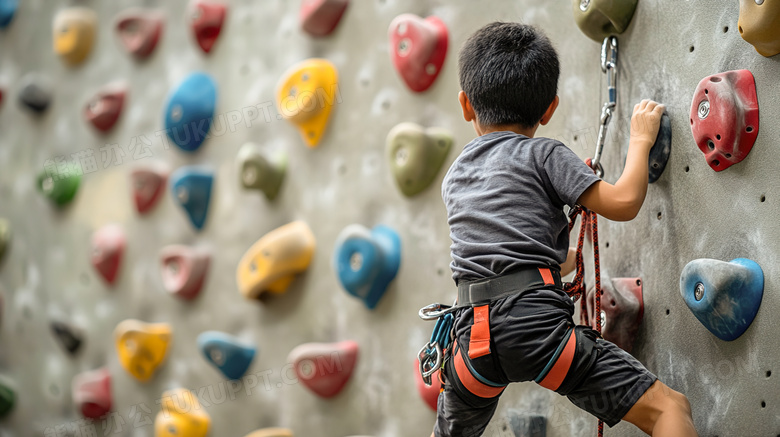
(324, 368)
(140, 31)
(92, 393)
(206, 19)
(104, 108)
(320, 17)
(148, 184)
(622, 310)
(183, 270)
(428, 393)
(108, 245)
(418, 48)
(724, 117)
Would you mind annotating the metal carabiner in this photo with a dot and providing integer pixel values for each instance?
(609, 53)
(435, 310)
(430, 359)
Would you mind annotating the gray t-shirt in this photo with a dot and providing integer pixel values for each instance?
(504, 196)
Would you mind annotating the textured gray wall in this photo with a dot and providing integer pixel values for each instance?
(692, 212)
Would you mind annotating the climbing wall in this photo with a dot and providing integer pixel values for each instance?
(47, 273)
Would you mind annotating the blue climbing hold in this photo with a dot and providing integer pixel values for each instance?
(191, 188)
(226, 353)
(367, 261)
(724, 296)
(7, 12)
(190, 110)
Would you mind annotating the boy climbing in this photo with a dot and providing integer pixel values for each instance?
(505, 195)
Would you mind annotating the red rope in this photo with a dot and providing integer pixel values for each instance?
(576, 288)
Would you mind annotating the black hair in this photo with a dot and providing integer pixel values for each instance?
(509, 71)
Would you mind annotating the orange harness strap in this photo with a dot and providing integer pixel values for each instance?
(557, 373)
(479, 345)
(470, 381)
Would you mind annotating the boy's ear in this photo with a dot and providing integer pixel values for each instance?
(550, 111)
(465, 105)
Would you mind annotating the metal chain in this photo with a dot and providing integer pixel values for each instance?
(609, 53)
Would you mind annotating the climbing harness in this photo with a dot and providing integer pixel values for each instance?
(609, 53)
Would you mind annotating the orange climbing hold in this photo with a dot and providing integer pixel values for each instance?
(759, 24)
(273, 261)
(271, 432)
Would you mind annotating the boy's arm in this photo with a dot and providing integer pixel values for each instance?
(622, 201)
(570, 263)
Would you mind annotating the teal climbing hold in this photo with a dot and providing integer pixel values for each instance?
(226, 353)
(367, 261)
(190, 110)
(7, 12)
(724, 296)
(191, 188)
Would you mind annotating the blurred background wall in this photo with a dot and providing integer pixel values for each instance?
(691, 212)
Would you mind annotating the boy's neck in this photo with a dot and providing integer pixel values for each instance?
(483, 130)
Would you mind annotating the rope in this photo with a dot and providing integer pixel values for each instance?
(576, 288)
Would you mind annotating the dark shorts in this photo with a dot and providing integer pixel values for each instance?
(525, 330)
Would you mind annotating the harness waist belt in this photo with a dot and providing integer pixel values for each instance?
(486, 290)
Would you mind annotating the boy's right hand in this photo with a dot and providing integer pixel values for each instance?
(645, 123)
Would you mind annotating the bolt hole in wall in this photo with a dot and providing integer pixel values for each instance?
(725, 29)
(659, 215)
(687, 169)
(768, 373)
(763, 404)
(667, 311)
(607, 244)
(691, 49)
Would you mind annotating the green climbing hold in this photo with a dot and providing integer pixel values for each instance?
(5, 236)
(261, 169)
(599, 19)
(7, 400)
(416, 154)
(59, 188)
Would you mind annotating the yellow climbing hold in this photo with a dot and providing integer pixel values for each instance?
(142, 346)
(181, 415)
(306, 96)
(74, 32)
(273, 261)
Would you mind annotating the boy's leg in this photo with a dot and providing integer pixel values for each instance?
(662, 411)
(455, 418)
(618, 387)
